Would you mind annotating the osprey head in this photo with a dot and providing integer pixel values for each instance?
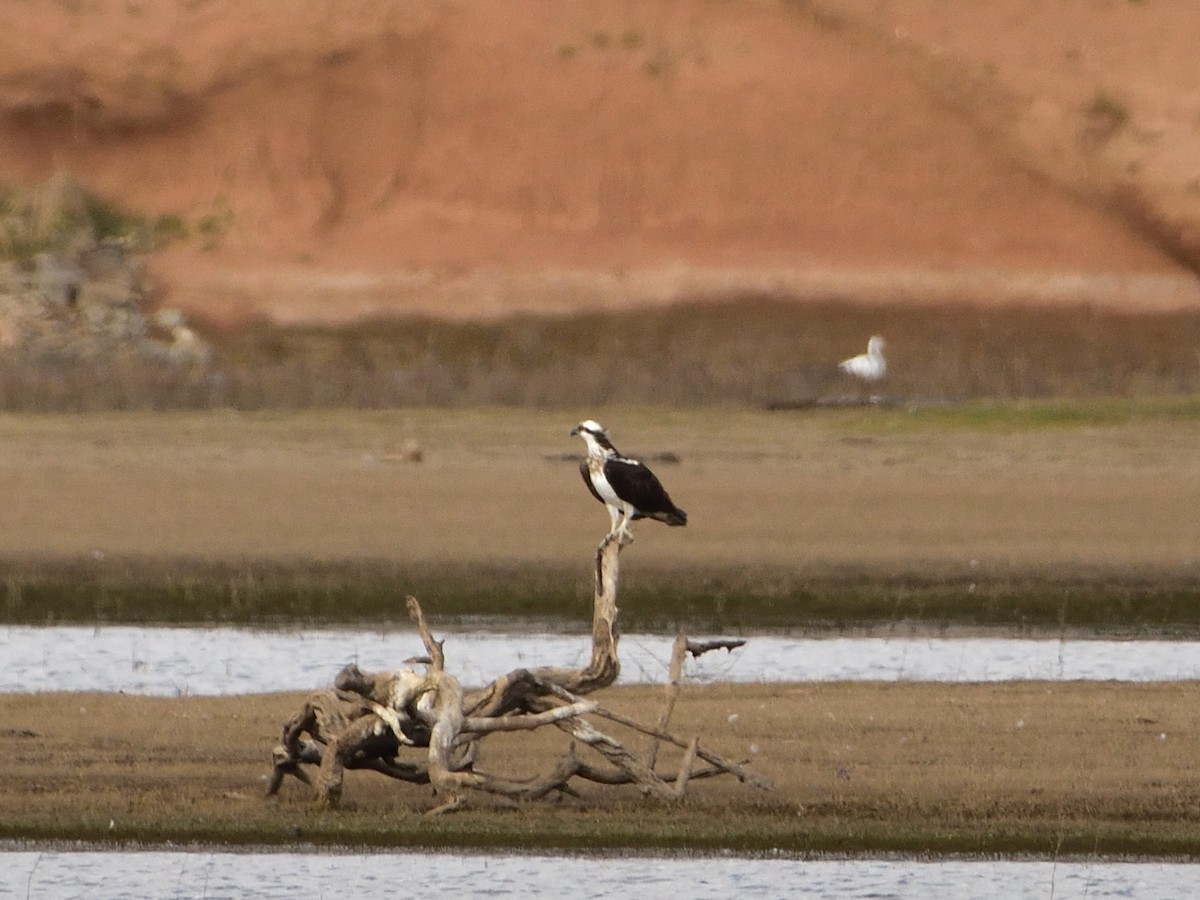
(594, 436)
(590, 426)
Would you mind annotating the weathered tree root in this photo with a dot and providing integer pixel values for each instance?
(370, 718)
(343, 732)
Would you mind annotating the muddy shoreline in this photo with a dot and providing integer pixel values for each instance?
(1021, 768)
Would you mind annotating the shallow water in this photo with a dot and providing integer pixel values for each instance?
(129, 875)
(214, 661)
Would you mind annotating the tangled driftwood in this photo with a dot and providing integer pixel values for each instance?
(368, 720)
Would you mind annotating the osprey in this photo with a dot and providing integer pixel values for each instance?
(869, 366)
(626, 486)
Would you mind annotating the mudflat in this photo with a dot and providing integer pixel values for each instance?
(1002, 488)
(1033, 767)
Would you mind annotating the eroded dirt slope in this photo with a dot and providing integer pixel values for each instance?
(478, 158)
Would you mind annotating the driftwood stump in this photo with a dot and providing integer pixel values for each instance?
(368, 720)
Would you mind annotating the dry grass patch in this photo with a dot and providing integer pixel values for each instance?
(745, 350)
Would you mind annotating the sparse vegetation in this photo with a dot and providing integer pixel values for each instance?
(214, 225)
(106, 220)
(746, 351)
(659, 63)
(632, 40)
(926, 597)
(168, 227)
(1106, 106)
(821, 16)
(1104, 117)
(60, 212)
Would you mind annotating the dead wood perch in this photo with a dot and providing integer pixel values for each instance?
(370, 719)
(699, 648)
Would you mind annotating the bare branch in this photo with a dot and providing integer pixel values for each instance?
(507, 693)
(699, 648)
(685, 767)
(484, 724)
(735, 769)
(610, 749)
(675, 673)
(437, 659)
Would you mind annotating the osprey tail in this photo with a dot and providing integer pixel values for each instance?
(672, 516)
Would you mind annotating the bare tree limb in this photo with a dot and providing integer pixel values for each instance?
(508, 692)
(735, 769)
(699, 648)
(685, 767)
(527, 722)
(437, 659)
(674, 674)
(636, 770)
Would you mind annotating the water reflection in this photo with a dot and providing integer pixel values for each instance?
(124, 876)
(206, 661)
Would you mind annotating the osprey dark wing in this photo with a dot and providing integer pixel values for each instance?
(587, 479)
(637, 485)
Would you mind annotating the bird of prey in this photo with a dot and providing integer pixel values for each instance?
(626, 486)
(869, 366)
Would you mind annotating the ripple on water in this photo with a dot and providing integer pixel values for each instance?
(128, 875)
